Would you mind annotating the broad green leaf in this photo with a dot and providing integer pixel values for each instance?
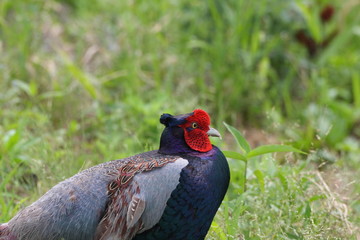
(235, 155)
(260, 177)
(244, 145)
(9, 139)
(271, 149)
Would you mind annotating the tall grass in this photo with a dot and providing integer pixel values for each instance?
(84, 82)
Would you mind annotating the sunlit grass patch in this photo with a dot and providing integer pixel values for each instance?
(302, 207)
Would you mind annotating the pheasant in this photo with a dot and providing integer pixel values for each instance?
(170, 193)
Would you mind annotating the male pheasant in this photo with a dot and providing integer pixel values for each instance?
(167, 194)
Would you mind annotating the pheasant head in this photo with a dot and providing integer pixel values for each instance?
(187, 132)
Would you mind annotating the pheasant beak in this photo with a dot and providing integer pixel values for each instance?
(213, 133)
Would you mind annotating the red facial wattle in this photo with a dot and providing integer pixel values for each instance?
(195, 131)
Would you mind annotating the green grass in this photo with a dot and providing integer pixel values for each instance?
(297, 208)
(83, 82)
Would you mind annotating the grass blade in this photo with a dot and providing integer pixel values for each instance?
(356, 89)
(235, 155)
(244, 145)
(260, 177)
(271, 149)
(78, 74)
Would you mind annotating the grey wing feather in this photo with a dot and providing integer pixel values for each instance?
(71, 210)
(139, 206)
(156, 187)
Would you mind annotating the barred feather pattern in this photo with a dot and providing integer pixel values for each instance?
(128, 171)
(74, 208)
(121, 191)
(114, 225)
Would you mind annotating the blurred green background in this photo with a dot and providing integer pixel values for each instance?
(83, 82)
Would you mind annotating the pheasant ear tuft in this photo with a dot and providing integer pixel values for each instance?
(165, 119)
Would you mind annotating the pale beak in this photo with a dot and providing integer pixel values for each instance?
(213, 133)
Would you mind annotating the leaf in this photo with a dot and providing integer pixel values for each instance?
(244, 145)
(356, 89)
(271, 149)
(10, 138)
(283, 180)
(78, 74)
(307, 210)
(235, 155)
(23, 86)
(336, 45)
(311, 19)
(260, 177)
(219, 231)
(293, 236)
(8, 178)
(317, 197)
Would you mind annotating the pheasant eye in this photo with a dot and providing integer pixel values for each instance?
(194, 125)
